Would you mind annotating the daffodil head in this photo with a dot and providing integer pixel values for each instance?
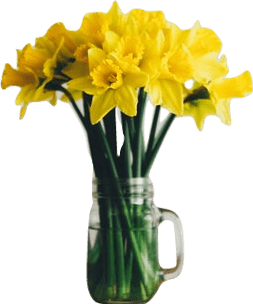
(130, 50)
(56, 33)
(177, 65)
(150, 22)
(12, 77)
(81, 53)
(215, 98)
(33, 59)
(37, 71)
(94, 26)
(203, 41)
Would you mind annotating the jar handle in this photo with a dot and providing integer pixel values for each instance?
(172, 273)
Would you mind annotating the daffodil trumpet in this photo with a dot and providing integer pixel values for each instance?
(113, 66)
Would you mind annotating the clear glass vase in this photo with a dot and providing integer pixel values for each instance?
(122, 262)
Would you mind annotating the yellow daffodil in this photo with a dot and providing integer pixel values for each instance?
(111, 85)
(139, 21)
(39, 65)
(202, 41)
(113, 54)
(67, 44)
(80, 66)
(71, 39)
(217, 101)
(204, 46)
(95, 25)
(129, 50)
(99, 30)
(29, 77)
(168, 69)
(182, 55)
(28, 82)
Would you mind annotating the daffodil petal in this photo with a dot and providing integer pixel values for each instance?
(53, 101)
(76, 69)
(95, 57)
(239, 86)
(172, 96)
(206, 41)
(50, 63)
(102, 105)
(154, 91)
(209, 67)
(111, 41)
(199, 111)
(136, 80)
(23, 111)
(26, 94)
(117, 19)
(85, 84)
(206, 109)
(126, 98)
(223, 111)
(12, 77)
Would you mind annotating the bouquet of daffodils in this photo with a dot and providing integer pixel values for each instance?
(112, 62)
(119, 62)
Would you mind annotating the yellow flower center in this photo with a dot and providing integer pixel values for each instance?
(177, 65)
(131, 50)
(81, 53)
(107, 75)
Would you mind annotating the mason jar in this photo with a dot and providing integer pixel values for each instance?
(122, 261)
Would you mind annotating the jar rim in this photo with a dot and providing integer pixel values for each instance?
(124, 179)
(137, 186)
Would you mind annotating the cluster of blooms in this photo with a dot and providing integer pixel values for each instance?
(113, 54)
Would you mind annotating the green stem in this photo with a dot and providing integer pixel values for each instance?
(153, 130)
(128, 174)
(105, 213)
(97, 159)
(115, 250)
(112, 257)
(123, 206)
(120, 258)
(110, 128)
(98, 133)
(158, 142)
(139, 144)
(200, 93)
(106, 209)
(131, 126)
(126, 149)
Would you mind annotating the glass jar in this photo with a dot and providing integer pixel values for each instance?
(122, 262)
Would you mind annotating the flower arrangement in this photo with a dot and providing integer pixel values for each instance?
(114, 62)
